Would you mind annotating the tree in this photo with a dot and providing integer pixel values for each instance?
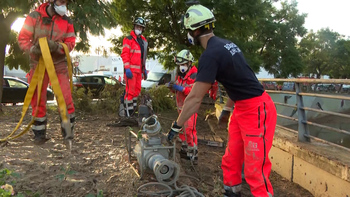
(260, 30)
(317, 50)
(279, 33)
(341, 59)
(89, 17)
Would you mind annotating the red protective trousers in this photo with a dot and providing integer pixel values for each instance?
(63, 78)
(189, 134)
(133, 86)
(251, 130)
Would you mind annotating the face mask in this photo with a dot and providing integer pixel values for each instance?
(183, 69)
(192, 40)
(138, 32)
(60, 10)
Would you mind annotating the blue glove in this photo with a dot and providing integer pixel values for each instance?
(178, 88)
(128, 73)
(174, 131)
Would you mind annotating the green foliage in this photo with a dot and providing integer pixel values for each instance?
(260, 30)
(325, 52)
(161, 98)
(8, 177)
(99, 194)
(16, 59)
(65, 172)
(82, 101)
(110, 99)
(88, 16)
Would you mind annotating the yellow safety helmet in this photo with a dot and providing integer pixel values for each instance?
(198, 16)
(183, 57)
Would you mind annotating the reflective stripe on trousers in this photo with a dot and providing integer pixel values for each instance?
(251, 130)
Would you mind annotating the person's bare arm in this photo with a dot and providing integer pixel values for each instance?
(193, 101)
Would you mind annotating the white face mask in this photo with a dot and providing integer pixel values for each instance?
(183, 69)
(190, 39)
(61, 10)
(138, 32)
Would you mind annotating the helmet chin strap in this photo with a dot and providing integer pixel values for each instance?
(211, 33)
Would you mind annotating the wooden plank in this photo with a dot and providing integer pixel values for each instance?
(218, 139)
(209, 138)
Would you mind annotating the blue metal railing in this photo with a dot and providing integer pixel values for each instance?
(300, 90)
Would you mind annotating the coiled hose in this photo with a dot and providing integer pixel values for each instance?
(184, 190)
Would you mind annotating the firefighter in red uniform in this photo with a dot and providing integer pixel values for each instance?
(253, 120)
(182, 87)
(50, 21)
(134, 56)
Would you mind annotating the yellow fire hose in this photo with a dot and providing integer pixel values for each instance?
(45, 63)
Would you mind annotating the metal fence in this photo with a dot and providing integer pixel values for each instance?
(302, 88)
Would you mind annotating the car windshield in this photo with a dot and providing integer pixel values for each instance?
(16, 84)
(109, 80)
(152, 76)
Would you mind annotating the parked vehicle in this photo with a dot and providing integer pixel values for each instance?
(325, 88)
(15, 90)
(288, 86)
(93, 82)
(345, 88)
(155, 79)
(270, 85)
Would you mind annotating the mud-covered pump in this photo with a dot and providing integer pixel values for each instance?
(151, 153)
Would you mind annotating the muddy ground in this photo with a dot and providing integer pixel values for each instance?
(98, 162)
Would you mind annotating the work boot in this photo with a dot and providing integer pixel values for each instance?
(39, 130)
(40, 137)
(183, 150)
(234, 191)
(129, 108)
(192, 155)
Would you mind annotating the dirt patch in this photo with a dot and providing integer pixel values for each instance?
(98, 161)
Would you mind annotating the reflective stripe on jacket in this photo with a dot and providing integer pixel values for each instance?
(186, 82)
(131, 53)
(38, 24)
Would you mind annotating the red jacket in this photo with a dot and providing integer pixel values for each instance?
(186, 82)
(38, 24)
(131, 53)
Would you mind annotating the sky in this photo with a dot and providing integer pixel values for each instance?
(325, 13)
(321, 14)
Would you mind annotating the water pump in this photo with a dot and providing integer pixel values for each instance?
(151, 153)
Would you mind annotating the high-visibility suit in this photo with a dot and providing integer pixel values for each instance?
(132, 60)
(190, 132)
(39, 24)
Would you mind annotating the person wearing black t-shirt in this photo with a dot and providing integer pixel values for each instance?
(253, 120)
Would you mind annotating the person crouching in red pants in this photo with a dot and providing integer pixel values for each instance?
(185, 78)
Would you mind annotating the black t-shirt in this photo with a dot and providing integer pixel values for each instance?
(223, 61)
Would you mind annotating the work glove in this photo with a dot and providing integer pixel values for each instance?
(145, 75)
(169, 84)
(178, 88)
(35, 49)
(174, 131)
(52, 45)
(128, 73)
(223, 118)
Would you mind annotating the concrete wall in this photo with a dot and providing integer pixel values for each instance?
(321, 169)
